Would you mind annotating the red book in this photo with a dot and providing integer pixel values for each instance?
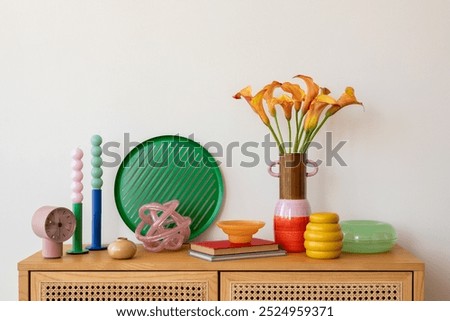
(223, 247)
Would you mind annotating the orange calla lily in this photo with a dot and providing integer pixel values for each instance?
(316, 109)
(346, 99)
(298, 94)
(268, 97)
(311, 93)
(246, 93)
(324, 91)
(255, 102)
(286, 103)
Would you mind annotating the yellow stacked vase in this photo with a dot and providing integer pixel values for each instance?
(323, 236)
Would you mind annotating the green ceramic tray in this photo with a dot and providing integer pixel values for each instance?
(165, 168)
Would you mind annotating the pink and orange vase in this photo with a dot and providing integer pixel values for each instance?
(292, 210)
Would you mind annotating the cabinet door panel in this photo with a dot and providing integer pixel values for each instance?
(316, 286)
(129, 286)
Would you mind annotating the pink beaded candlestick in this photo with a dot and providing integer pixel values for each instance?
(77, 202)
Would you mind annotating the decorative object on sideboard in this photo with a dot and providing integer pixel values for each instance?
(122, 249)
(77, 202)
(54, 225)
(96, 183)
(323, 236)
(224, 247)
(368, 236)
(236, 256)
(292, 208)
(167, 168)
(306, 111)
(240, 231)
(167, 229)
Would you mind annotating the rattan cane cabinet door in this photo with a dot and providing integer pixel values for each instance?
(124, 286)
(316, 286)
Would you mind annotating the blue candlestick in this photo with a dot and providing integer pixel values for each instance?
(96, 183)
(97, 220)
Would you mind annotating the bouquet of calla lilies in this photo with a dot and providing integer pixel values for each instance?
(307, 110)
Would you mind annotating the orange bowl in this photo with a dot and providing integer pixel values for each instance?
(240, 231)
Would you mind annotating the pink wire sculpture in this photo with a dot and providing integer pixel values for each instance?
(168, 229)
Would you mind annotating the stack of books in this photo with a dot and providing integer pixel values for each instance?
(223, 250)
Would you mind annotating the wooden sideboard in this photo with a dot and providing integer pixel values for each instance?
(395, 275)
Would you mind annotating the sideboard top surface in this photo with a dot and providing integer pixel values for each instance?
(398, 259)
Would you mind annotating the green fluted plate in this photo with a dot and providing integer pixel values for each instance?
(165, 168)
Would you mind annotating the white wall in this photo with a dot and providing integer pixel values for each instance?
(71, 69)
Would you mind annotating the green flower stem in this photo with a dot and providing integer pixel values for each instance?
(280, 146)
(306, 142)
(296, 129)
(297, 124)
(310, 136)
(319, 127)
(299, 132)
(290, 136)
(300, 136)
(279, 131)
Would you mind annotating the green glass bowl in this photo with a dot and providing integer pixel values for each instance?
(367, 236)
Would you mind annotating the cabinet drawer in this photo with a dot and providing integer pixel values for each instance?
(316, 286)
(117, 286)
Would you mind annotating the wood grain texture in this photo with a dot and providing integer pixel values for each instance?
(175, 264)
(293, 176)
(396, 260)
(24, 286)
